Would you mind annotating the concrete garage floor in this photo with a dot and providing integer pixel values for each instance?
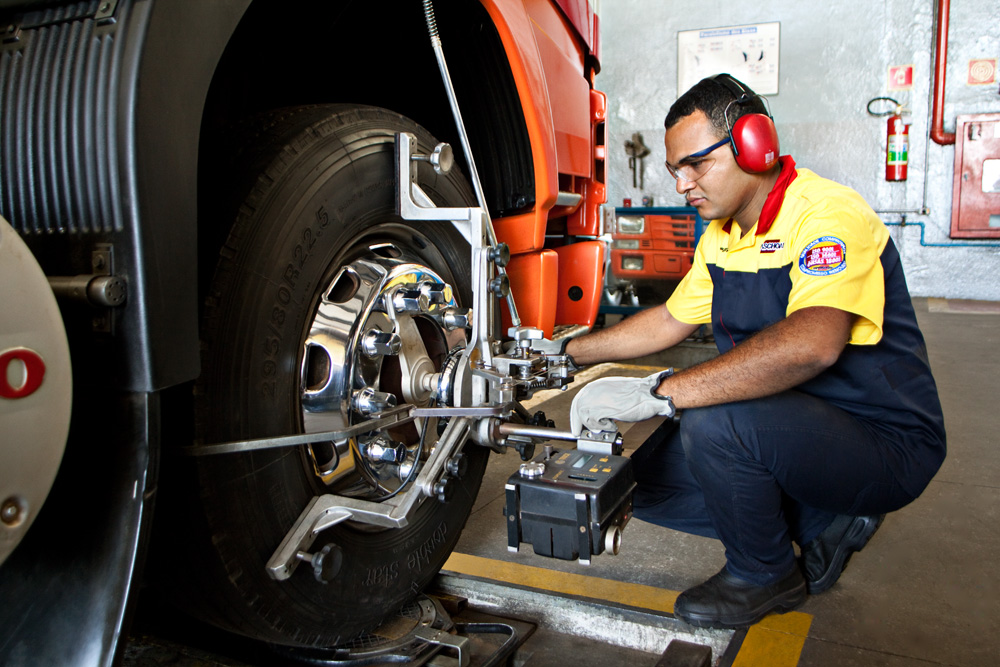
(925, 590)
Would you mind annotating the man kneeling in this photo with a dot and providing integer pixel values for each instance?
(819, 415)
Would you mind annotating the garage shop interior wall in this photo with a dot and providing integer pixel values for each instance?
(834, 59)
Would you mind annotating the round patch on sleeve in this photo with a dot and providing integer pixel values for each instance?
(825, 256)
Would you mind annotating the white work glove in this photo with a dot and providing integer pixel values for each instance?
(621, 398)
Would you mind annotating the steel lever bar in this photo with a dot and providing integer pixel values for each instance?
(393, 417)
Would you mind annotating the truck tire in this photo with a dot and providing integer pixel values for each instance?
(314, 197)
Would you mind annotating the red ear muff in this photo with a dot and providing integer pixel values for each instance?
(755, 142)
(754, 139)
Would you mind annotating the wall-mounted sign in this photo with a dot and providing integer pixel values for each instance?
(982, 71)
(748, 52)
(901, 77)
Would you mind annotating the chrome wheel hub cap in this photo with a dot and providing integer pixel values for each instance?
(379, 336)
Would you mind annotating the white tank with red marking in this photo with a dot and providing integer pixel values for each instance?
(35, 388)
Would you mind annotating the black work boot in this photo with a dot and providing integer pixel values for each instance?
(825, 557)
(726, 601)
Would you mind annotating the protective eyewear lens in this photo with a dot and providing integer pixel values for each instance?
(695, 165)
(692, 171)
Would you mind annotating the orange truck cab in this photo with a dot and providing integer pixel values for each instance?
(559, 281)
(651, 246)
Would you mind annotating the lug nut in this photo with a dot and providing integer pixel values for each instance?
(384, 450)
(457, 318)
(378, 343)
(367, 401)
(436, 293)
(410, 299)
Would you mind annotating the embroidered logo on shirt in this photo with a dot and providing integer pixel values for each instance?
(771, 246)
(825, 256)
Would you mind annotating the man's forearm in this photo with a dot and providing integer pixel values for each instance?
(646, 332)
(786, 354)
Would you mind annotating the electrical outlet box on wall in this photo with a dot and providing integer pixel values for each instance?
(975, 205)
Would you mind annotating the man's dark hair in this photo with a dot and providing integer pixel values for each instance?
(711, 97)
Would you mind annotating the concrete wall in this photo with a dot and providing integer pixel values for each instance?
(834, 58)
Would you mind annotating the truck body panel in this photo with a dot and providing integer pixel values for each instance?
(110, 118)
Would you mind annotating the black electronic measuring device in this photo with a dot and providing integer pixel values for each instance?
(570, 504)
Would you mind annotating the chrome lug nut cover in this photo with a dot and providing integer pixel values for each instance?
(436, 293)
(378, 343)
(368, 401)
(457, 318)
(382, 449)
(410, 299)
(375, 341)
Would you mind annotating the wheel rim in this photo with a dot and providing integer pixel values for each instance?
(378, 338)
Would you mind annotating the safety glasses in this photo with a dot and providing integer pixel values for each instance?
(696, 165)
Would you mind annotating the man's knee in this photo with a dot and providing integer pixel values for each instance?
(707, 437)
(707, 427)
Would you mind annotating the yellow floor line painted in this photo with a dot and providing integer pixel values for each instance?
(636, 595)
(776, 641)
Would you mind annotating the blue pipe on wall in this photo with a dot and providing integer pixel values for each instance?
(960, 244)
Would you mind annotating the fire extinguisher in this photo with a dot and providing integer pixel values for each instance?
(897, 139)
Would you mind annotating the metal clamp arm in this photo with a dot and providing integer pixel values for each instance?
(325, 511)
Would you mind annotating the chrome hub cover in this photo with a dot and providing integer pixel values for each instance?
(381, 333)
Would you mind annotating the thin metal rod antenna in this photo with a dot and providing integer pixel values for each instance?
(464, 138)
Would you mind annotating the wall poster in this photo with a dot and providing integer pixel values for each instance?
(748, 52)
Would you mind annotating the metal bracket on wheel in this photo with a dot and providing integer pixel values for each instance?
(328, 510)
(413, 202)
(473, 223)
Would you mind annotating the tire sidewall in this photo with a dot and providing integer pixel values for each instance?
(324, 192)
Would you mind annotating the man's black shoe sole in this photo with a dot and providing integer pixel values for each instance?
(858, 534)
